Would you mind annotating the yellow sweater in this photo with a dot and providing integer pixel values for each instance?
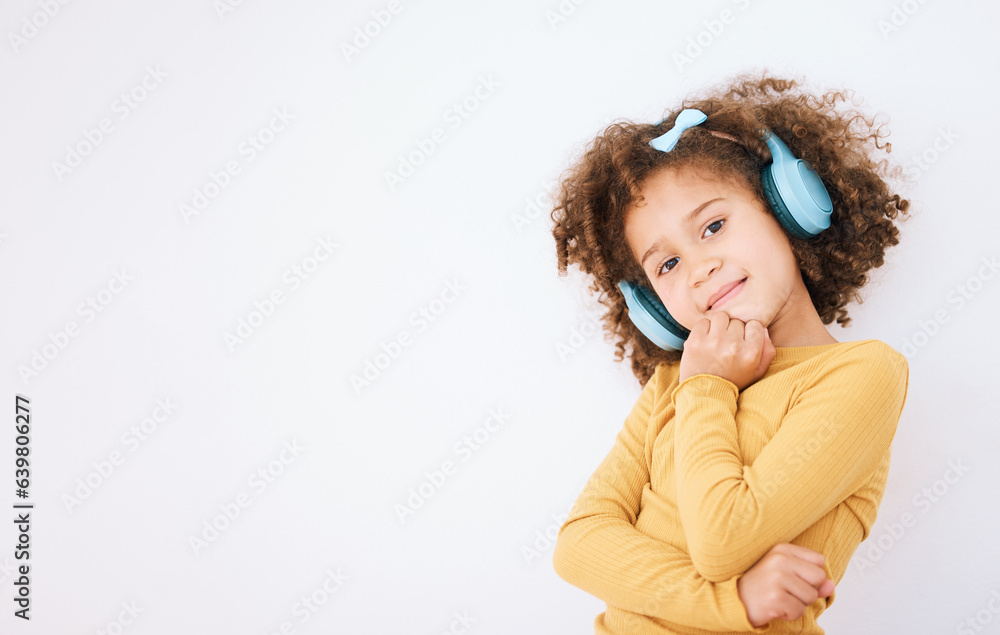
(703, 480)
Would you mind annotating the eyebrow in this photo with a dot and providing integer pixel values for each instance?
(686, 221)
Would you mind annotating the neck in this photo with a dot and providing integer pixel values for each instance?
(798, 324)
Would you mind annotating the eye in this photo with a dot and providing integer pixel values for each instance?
(660, 270)
(721, 220)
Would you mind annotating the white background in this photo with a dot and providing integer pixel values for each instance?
(461, 218)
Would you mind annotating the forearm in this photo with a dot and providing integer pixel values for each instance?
(608, 558)
(837, 432)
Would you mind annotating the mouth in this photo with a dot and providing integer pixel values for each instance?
(728, 295)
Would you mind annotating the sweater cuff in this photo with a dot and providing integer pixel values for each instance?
(707, 385)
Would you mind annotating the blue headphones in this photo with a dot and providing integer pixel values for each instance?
(795, 194)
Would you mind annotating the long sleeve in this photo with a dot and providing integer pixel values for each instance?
(599, 550)
(835, 433)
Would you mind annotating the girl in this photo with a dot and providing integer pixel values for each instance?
(754, 461)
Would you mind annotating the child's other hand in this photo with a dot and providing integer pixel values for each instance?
(728, 348)
(783, 583)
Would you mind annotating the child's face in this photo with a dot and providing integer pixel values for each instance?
(729, 240)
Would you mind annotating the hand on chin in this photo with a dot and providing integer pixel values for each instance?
(729, 348)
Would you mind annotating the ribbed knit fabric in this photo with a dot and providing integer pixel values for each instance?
(703, 480)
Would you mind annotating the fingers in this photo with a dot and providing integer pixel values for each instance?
(722, 325)
(717, 323)
(703, 325)
(809, 574)
(752, 331)
(806, 578)
(805, 553)
(807, 565)
(755, 332)
(720, 321)
(802, 591)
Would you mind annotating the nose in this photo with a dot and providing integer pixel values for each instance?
(703, 269)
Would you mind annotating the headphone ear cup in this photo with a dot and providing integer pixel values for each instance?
(649, 315)
(795, 192)
(778, 205)
(655, 308)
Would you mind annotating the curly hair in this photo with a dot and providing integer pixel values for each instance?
(594, 194)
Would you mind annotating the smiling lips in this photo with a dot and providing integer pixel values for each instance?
(727, 292)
